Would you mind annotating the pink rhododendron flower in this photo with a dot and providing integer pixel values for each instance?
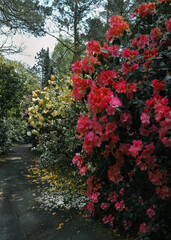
(75, 159)
(90, 141)
(145, 119)
(108, 220)
(144, 40)
(93, 47)
(114, 51)
(144, 228)
(115, 102)
(136, 147)
(125, 68)
(94, 197)
(83, 170)
(150, 212)
(90, 207)
(105, 206)
(120, 205)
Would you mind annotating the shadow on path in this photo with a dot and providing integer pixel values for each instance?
(20, 219)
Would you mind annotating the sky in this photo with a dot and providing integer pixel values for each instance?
(32, 46)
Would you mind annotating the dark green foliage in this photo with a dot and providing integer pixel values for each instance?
(11, 89)
(43, 66)
(27, 16)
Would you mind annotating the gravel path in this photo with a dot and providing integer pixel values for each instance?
(22, 219)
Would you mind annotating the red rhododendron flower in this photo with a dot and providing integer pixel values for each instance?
(106, 77)
(132, 87)
(93, 47)
(118, 26)
(145, 9)
(144, 40)
(133, 67)
(78, 94)
(76, 67)
(155, 34)
(120, 205)
(99, 98)
(121, 86)
(168, 25)
(133, 15)
(134, 42)
(125, 68)
(131, 54)
(144, 228)
(158, 86)
(84, 124)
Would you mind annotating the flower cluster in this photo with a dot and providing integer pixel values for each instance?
(118, 26)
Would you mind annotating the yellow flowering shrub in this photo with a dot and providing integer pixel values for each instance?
(53, 115)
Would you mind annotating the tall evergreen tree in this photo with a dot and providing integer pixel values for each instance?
(71, 17)
(43, 66)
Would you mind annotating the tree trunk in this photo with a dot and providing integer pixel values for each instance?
(75, 32)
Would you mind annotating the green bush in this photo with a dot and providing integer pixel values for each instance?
(5, 140)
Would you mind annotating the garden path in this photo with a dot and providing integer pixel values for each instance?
(20, 217)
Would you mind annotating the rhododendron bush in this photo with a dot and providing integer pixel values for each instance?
(126, 130)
